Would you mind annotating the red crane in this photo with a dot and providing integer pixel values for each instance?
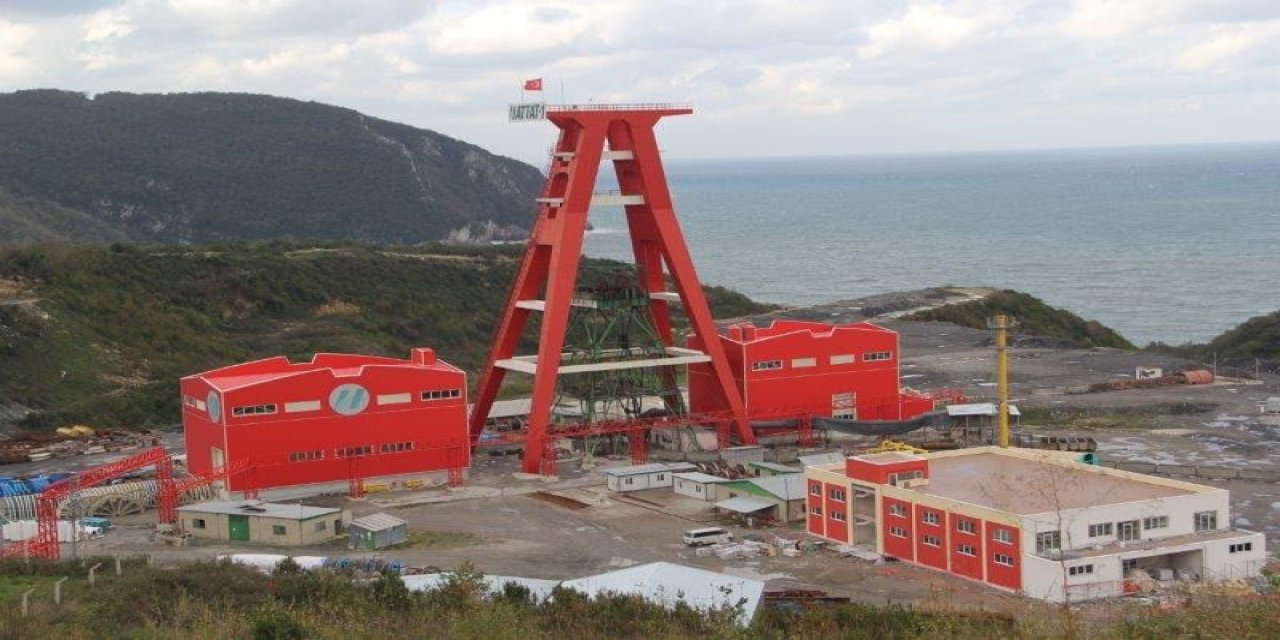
(45, 544)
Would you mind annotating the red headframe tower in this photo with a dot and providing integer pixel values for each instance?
(546, 281)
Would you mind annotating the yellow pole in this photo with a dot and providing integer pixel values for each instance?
(1001, 324)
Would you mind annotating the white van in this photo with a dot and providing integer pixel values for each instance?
(706, 535)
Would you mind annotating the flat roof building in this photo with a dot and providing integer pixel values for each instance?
(1032, 522)
(262, 522)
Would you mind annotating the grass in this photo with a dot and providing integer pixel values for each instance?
(221, 600)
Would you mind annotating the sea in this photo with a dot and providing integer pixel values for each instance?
(1173, 243)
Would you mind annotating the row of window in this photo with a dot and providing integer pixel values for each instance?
(838, 516)
(314, 405)
(255, 410)
(1080, 570)
(1128, 530)
(1239, 547)
(801, 363)
(306, 456)
(1004, 536)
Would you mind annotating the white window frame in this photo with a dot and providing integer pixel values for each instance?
(967, 550)
(1206, 520)
(1080, 570)
(1048, 541)
(932, 541)
(837, 495)
(966, 526)
(931, 517)
(897, 532)
(766, 365)
(877, 356)
(1007, 562)
(1155, 522)
(838, 516)
(898, 510)
(1101, 529)
(1003, 536)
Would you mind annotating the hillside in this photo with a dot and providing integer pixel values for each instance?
(213, 167)
(1257, 337)
(101, 335)
(1034, 318)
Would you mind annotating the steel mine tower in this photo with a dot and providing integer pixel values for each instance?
(546, 282)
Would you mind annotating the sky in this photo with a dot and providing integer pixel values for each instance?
(766, 77)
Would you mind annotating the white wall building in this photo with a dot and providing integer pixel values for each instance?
(644, 476)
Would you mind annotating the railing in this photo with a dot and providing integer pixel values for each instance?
(636, 106)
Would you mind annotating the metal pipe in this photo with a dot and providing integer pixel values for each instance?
(1002, 324)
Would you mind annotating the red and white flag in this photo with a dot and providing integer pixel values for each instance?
(533, 85)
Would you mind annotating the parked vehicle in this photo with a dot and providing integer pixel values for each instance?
(706, 536)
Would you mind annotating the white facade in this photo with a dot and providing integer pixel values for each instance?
(697, 485)
(643, 476)
(1182, 536)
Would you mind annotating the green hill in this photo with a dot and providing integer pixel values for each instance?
(214, 167)
(102, 334)
(1034, 318)
(1257, 337)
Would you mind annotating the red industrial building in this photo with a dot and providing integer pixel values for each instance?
(339, 421)
(845, 371)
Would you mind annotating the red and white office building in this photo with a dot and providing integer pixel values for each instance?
(1033, 522)
(848, 371)
(311, 427)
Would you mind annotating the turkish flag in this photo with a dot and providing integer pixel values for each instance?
(533, 85)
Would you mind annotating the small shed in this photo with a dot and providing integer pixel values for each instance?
(766, 469)
(696, 484)
(377, 531)
(979, 414)
(785, 493)
(644, 476)
(262, 522)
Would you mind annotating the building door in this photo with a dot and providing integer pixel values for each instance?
(1127, 531)
(844, 406)
(239, 528)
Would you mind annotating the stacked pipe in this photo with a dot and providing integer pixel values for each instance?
(104, 500)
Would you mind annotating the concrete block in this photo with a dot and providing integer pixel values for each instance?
(1218, 473)
(1176, 469)
(1136, 467)
(1264, 475)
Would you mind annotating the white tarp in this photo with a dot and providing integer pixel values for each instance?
(539, 589)
(744, 504)
(666, 584)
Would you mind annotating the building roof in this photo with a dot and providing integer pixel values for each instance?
(1027, 485)
(979, 409)
(652, 467)
(888, 457)
(339, 365)
(744, 504)
(668, 584)
(822, 458)
(698, 476)
(378, 522)
(790, 486)
(662, 583)
(750, 333)
(773, 466)
(539, 589)
(259, 509)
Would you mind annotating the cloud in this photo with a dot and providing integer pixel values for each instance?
(769, 77)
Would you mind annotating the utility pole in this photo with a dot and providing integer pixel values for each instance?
(1001, 324)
